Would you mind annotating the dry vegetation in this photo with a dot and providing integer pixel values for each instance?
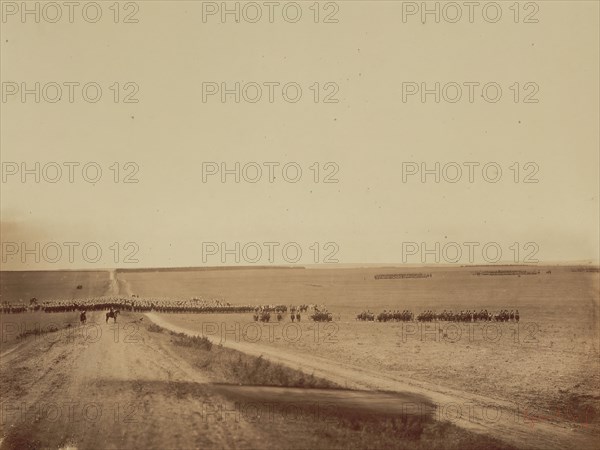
(339, 427)
(16, 327)
(231, 366)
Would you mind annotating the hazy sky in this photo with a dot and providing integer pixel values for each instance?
(370, 136)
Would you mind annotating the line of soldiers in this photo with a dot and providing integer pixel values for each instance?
(470, 316)
(386, 316)
(263, 313)
(503, 315)
(13, 309)
(265, 316)
(134, 304)
(396, 316)
(367, 316)
(270, 308)
(283, 308)
(322, 316)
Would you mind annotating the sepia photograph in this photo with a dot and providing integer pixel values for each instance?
(311, 224)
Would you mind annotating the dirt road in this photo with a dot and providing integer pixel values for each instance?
(477, 413)
(112, 388)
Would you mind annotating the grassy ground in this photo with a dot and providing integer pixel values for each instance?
(232, 366)
(35, 325)
(341, 427)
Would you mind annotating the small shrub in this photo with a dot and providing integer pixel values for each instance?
(153, 328)
(198, 342)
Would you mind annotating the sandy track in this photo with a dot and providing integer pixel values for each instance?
(117, 390)
(511, 426)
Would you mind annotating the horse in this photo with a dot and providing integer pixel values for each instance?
(112, 314)
(82, 318)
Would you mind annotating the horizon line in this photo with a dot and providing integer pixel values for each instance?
(317, 266)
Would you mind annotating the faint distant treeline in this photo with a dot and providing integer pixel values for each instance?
(202, 269)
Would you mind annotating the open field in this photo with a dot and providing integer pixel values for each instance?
(545, 368)
(562, 293)
(541, 375)
(15, 286)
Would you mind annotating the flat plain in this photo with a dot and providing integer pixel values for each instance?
(531, 384)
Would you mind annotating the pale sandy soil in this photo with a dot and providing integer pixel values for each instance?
(123, 388)
(517, 389)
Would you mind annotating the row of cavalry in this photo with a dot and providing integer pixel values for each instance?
(266, 312)
(503, 315)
